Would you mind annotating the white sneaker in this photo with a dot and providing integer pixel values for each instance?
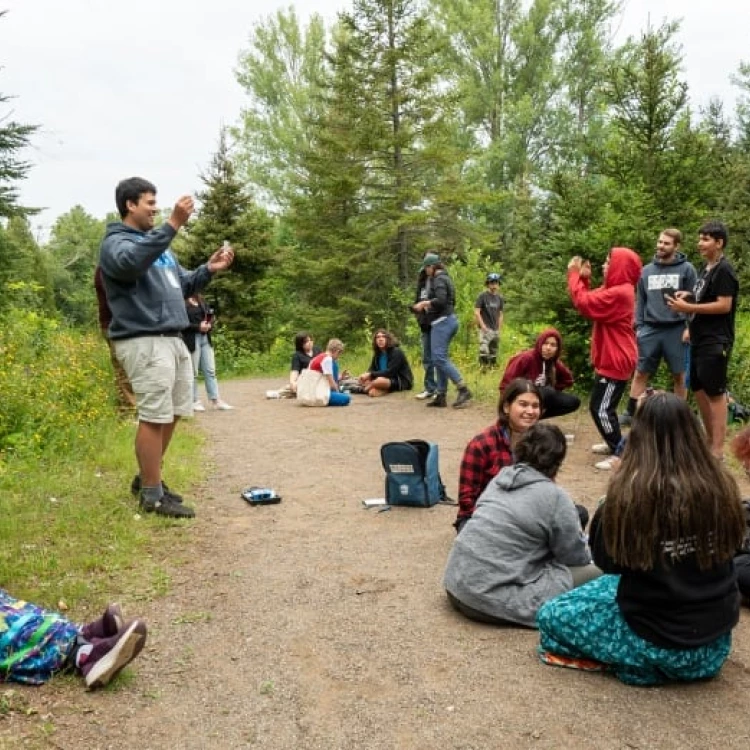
(221, 405)
(198, 406)
(607, 464)
(601, 449)
(425, 395)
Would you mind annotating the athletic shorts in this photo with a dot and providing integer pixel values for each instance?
(160, 369)
(708, 369)
(661, 342)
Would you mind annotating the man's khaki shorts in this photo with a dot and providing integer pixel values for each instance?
(160, 370)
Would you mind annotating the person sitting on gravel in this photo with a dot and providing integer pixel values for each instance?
(741, 450)
(389, 370)
(520, 407)
(304, 351)
(524, 543)
(325, 366)
(665, 536)
(36, 644)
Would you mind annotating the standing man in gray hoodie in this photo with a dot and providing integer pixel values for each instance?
(146, 289)
(661, 333)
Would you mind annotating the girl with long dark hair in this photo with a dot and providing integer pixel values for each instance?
(665, 535)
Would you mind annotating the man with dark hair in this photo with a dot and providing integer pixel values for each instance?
(488, 314)
(711, 306)
(146, 288)
(661, 333)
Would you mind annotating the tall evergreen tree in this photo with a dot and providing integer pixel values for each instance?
(227, 212)
(385, 166)
(14, 138)
(281, 72)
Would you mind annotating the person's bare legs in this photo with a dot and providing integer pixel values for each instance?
(638, 386)
(149, 448)
(378, 387)
(713, 411)
(166, 435)
(151, 442)
(678, 385)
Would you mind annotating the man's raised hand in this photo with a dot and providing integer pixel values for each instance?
(221, 259)
(181, 212)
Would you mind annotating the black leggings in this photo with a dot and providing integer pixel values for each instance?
(605, 398)
(557, 403)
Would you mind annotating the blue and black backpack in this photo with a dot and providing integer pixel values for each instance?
(412, 476)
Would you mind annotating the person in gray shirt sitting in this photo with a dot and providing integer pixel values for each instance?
(524, 543)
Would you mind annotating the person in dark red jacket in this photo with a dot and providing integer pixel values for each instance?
(614, 351)
(543, 367)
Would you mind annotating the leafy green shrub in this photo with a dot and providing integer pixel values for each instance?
(739, 375)
(56, 383)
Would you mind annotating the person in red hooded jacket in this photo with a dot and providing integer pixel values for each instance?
(543, 367)
(614, 351)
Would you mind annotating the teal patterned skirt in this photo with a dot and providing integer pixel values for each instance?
(586, 623)
(34, 643)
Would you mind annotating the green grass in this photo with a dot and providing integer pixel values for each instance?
(69, 527)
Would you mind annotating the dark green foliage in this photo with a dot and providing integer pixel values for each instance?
(227, 213)
(72, 255)
(14, 138)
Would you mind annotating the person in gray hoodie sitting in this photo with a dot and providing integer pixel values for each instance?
(524, 543)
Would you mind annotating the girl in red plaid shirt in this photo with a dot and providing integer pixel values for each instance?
(492, 449)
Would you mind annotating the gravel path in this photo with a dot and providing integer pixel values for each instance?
(318, 624)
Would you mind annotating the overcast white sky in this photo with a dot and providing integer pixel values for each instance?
(143, 86)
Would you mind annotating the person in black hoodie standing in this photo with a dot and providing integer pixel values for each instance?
(197, 337)
(424, 285)
(443, 327)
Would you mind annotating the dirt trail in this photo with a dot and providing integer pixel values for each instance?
(318, 624)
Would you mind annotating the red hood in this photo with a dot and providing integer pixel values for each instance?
(624, 267)
(543, 336)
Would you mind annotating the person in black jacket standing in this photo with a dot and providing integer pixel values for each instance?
(197, 338)
(444, 326)
(389, 370)
(424, 285)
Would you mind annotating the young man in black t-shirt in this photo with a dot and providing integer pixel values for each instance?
(711, 307)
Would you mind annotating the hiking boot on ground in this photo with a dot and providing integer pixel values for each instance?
(439, 400)
(425, 395)
(165, 507)
(109, 655)
(601, 449)
(463, 398)
(625, 419)
(109, 624)
(135, 489)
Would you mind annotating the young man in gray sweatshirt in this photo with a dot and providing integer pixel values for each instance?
(661, 333)
(146, 289)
